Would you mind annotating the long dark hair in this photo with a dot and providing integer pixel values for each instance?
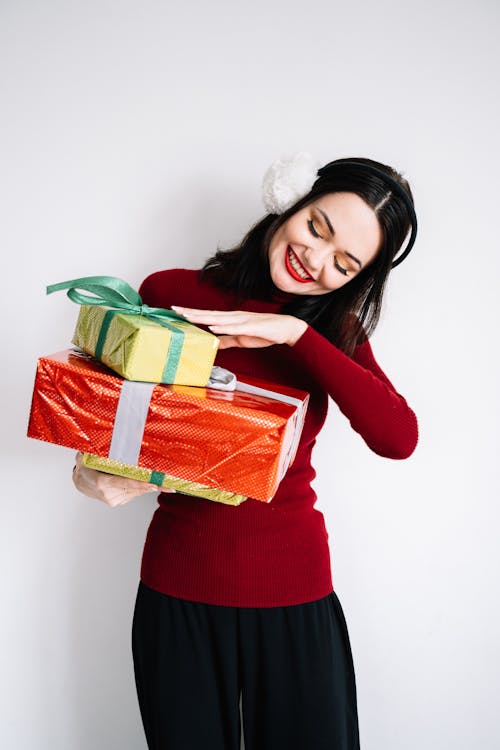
(350, 313)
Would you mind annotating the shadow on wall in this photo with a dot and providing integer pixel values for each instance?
(106, 566)
(92, 587)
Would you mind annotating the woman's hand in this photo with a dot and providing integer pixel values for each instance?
(246, 329)
(108, 488)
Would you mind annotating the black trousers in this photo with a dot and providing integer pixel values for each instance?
(292, 666)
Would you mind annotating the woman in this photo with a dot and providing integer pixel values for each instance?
(239, 600)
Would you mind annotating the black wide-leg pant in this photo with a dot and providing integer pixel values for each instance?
(292, 666)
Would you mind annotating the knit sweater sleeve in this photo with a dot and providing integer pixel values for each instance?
(363, 393)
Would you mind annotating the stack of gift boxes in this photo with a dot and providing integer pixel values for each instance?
(140, 398)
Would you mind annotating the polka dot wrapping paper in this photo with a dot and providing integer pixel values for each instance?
(237, 441)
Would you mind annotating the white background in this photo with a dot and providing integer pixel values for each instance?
(134, 138)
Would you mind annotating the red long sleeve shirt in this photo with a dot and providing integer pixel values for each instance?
(268, 554)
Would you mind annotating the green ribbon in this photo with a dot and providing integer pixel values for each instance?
(123, 299)
(157, 478)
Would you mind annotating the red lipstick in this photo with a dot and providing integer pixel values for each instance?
(291, 270)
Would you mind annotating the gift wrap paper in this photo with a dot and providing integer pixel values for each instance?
(237, 441)
(161, 480)
(138, 348)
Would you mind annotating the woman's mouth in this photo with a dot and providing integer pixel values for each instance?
(295, 267)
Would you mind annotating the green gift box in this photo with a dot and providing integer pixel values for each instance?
(161, 480)
(139, 342)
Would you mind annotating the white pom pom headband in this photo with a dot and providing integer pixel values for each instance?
(288, 180)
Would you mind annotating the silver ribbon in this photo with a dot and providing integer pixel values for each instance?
(133, 406)
(130, 421)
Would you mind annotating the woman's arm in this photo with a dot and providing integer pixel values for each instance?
(363, 393)
(358, 385)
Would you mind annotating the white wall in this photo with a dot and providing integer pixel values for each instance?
(134, 137)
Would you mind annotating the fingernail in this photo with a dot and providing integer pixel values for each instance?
(179, 311)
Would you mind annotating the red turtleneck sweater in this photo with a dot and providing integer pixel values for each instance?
(268, 554)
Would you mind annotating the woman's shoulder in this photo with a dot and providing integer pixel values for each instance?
(157, 288)
(186, 288)
(353, 335)
(171, 276)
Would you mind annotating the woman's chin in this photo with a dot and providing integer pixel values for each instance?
(288, 285)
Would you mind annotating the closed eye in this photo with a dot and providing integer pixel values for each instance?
(339, 267)
(312, 228)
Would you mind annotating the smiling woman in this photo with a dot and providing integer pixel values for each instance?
(239, 601)
(323, 246)
(349, 227)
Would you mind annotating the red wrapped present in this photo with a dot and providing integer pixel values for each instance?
(241, 441)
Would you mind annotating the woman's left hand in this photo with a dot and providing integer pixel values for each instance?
(246, 329)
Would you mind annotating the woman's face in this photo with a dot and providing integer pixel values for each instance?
(324, 245)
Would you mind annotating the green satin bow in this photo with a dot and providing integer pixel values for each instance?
(122, 298)
(112, 292)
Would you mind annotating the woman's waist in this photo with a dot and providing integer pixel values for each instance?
(294, 493)
(203, 517)
(221, 555)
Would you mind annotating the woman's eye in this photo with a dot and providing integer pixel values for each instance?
(312, 228)
(339, 267)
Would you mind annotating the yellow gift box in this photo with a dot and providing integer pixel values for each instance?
(139, 342)
(162, 480)
(141, 349)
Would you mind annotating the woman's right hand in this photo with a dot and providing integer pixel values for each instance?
(110, 489)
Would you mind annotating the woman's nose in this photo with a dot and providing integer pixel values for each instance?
(316, 257)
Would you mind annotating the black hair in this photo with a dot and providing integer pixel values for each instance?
(346, 315)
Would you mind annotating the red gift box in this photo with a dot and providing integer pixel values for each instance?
(241, 441)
